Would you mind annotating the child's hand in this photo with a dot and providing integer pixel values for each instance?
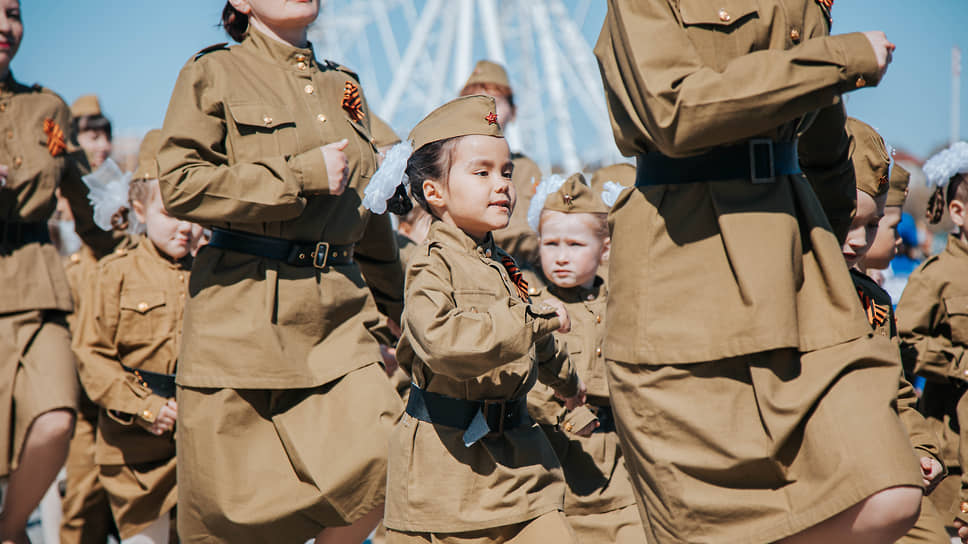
(337, 166)
(578, 400)
(166, 418)
(390, 364)
(587, 430)
(962, 530)
(931, 470)
(561, 312)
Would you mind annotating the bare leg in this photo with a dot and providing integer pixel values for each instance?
(43, 455)
(883, 517)
(352, 534)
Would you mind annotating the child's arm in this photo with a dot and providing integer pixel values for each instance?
(465, 333)
(99, 365)
(923, 439)
(924, 346)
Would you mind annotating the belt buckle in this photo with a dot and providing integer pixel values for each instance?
(759, 143)
(320, 255)
(502, 403)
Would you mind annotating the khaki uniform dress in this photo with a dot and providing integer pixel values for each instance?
(933, 325)
(468, 335)
(284, 411)
(132, 319)
(36, 365)
(730, 305)
(599, 501)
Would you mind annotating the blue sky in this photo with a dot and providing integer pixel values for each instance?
(129, 52)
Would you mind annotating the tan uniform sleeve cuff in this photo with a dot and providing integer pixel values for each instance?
(149, 411)
(859, 60)
(578, 419)
(309, 169)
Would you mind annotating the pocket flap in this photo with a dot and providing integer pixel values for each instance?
(473, 299)
(261, 115)
(956, 305)
(719, 13)
(142, 301)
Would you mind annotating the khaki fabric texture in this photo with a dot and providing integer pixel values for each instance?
(86, 105)
(148, 156)
(621, 526)
(750, 267)
(488, 72)
(383, 133)
(139, 493)
(899, 180)
(468, 335)
(296, 479)
(133, 318)
(86, 512)
(869, 155)
(240, 149)
(596, 478)
(464, 116)
(36, 376)
(621, 173)
(930, 527)
(517, 238)
(550, 527)
(774, 473)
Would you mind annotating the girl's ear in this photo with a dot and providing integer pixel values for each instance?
(956, 208)
(241, 6)
(139, 211)
(606, 248)
(433, 193)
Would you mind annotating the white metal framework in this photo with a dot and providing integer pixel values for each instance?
(413, 55)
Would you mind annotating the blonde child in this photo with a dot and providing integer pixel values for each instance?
(126, 343)
(571, 221)
(466, 462)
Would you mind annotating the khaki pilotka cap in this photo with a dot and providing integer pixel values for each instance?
(575, 196)
(463, 116)
(488, 73)
(86, 106)
(147, 156)
(898, 190)
(869, 155)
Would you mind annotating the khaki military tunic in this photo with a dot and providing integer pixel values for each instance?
(132, 319)
(241, 150)
(736, 293)
(467, 334)
(36, 365)
(517, 238)
(599, 501)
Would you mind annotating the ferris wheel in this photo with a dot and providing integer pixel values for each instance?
(414, 55)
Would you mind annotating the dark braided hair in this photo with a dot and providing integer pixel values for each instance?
(235, 23)
(432, 161)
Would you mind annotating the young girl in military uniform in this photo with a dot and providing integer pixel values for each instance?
(126, 343)
(283, 410)
(467, 464)
(726, 284)
(570, 220)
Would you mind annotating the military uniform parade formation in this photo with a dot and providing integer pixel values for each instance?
(289, 324)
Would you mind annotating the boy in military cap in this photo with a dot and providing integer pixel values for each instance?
(127, 346)
(466, 462)
(933, 315)
(491, 79)
(570, 219)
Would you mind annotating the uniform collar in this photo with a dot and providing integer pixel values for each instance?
(147, 247)
(451, 236)
(8, 83)
(956, 246)
(578, 294)
(279, 52)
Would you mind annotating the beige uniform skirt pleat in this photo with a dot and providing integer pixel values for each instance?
(755, 448)
(545, 529)
(139, 494)
(36, 376)
(281, 465)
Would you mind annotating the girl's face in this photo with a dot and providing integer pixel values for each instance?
(11, 31)
(571, 248)
(281, 17)
(886, 242)
(173, 237)
(97, 144)
(477, 196)
(863, 228)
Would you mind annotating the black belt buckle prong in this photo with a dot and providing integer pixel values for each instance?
(320, 255)
(755, 146)
(502, 415)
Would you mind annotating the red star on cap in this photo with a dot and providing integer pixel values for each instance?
(491, 118)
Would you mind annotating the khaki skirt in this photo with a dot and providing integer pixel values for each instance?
(755, 448)
(139, 494)
(282, 465)
(545, 529)
(37, 375)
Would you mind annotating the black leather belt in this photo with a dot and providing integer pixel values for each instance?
(21, 234)
(316, 254)
(606, 419)
(759, 161)
(479, 418)
(160, 384)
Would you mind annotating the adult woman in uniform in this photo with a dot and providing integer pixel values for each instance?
(752, 401)
(283, 410)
